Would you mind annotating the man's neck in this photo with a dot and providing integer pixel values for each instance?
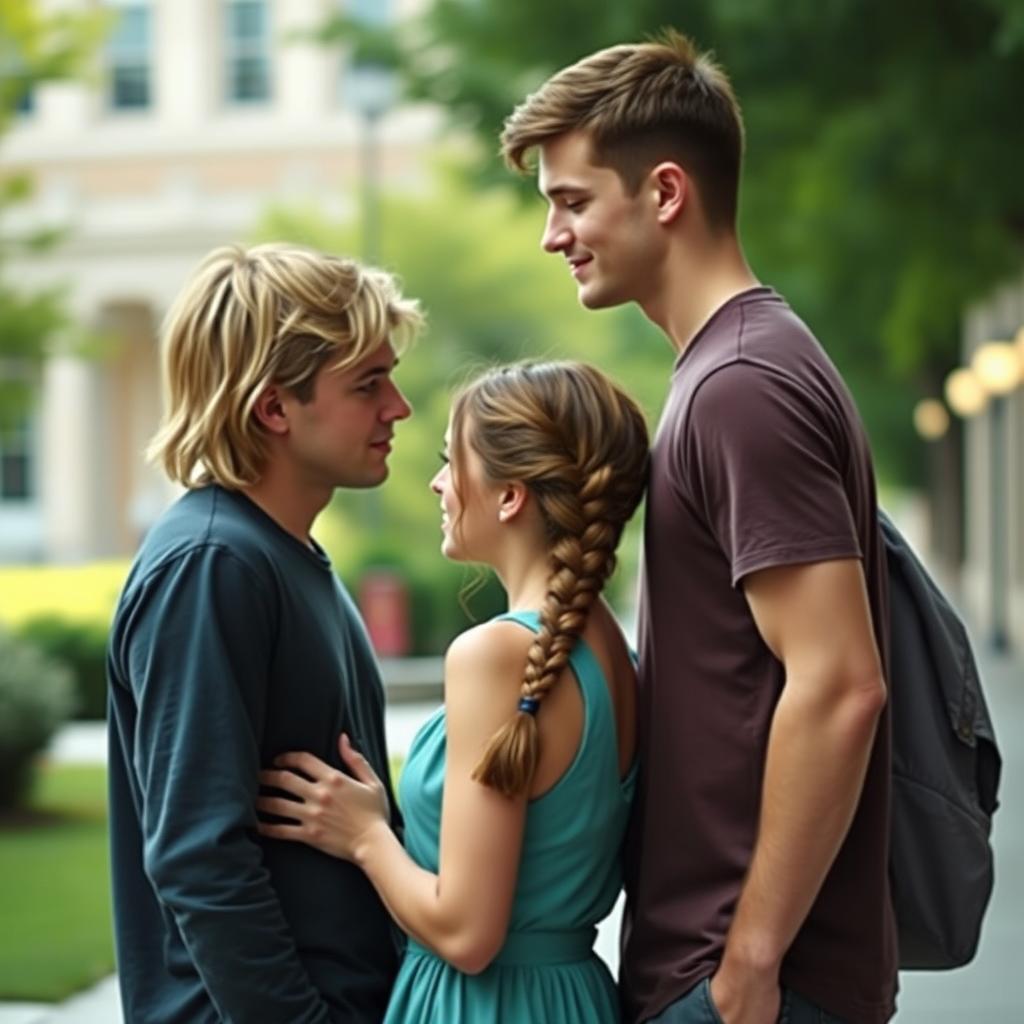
(695, 284)
(293, 508)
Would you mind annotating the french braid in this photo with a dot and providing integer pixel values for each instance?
(579, 443)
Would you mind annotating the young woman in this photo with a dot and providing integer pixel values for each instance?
(516, 792)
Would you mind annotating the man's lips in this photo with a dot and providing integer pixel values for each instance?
(576, 263)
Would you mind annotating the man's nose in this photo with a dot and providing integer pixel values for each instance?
(556, 236)
(398, 408)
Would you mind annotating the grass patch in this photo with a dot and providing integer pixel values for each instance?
(55, 888)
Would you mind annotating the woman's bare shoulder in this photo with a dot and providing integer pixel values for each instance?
(492, 653)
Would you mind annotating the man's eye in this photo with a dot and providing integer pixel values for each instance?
(369, 387)
(575, 204)
(443, 457)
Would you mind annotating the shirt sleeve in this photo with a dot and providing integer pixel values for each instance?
(198, 649)
(766, 470)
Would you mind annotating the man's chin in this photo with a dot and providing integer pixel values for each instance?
(367, 482)
(595, 298)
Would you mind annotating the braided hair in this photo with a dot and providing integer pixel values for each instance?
(579, 443)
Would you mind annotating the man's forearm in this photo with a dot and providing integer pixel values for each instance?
(235, 931)
(817, 757)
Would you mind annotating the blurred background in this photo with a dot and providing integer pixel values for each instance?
(882, 196)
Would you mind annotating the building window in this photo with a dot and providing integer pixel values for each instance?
(247, 51)
(129, 54)
(26, 103)
(16, 483)
(368, 12)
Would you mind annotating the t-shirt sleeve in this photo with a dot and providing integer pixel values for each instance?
(198, 645)
(764, 469)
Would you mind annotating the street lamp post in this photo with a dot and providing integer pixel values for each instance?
(932, 423)
(997, 366)
(372, 91)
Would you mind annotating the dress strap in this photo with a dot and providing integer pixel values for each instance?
(599, 713)
(529, 619)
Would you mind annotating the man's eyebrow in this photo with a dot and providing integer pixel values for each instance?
(561, 189)
(377, 371)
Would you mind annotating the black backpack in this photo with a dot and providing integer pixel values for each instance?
(946, 768)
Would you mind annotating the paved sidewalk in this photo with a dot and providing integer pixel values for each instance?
(98, 1005)
(988, 991)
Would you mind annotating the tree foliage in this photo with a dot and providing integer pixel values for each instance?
(882, 174)
(35, 47)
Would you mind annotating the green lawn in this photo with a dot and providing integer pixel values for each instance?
(54, 888)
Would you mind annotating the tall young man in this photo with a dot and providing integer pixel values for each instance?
(234, 642)
(756, 869)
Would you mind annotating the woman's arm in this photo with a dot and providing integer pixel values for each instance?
(462, 913)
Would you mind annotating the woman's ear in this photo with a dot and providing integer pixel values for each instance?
(511, 500)
(270, 411)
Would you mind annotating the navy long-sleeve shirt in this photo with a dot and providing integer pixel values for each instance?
(232, 643)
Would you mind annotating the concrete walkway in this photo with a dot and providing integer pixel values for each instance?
(988, 991)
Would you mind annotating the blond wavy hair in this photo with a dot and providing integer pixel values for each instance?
(579, 443)
(271, 314)
(641, 103)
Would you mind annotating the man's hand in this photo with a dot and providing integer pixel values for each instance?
(324, 808)
(746, 995)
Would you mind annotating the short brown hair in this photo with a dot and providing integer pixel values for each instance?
(641, 103)
(272, 314)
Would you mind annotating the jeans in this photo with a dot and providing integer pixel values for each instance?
(696, 1007)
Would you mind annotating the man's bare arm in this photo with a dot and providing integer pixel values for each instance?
(816, 620)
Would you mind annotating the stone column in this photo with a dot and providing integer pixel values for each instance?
(71, 472)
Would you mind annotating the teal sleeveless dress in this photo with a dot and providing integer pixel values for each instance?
(570, 874)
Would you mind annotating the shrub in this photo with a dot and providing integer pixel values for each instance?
(82, 593)
(81, 647)
(36, 696)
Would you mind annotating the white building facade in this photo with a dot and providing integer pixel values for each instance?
(204, 113)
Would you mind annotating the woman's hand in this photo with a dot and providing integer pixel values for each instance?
(332, 811)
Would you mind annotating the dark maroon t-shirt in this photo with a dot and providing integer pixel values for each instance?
(760, 460)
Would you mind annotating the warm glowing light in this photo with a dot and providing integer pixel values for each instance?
(996, 364)
(931, 419)
(964, 393)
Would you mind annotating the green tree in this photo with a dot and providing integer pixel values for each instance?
(35, 47)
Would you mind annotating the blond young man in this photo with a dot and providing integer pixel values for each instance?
(233, 641)
(756, 867)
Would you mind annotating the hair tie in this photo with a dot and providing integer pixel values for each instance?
(529, 705)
